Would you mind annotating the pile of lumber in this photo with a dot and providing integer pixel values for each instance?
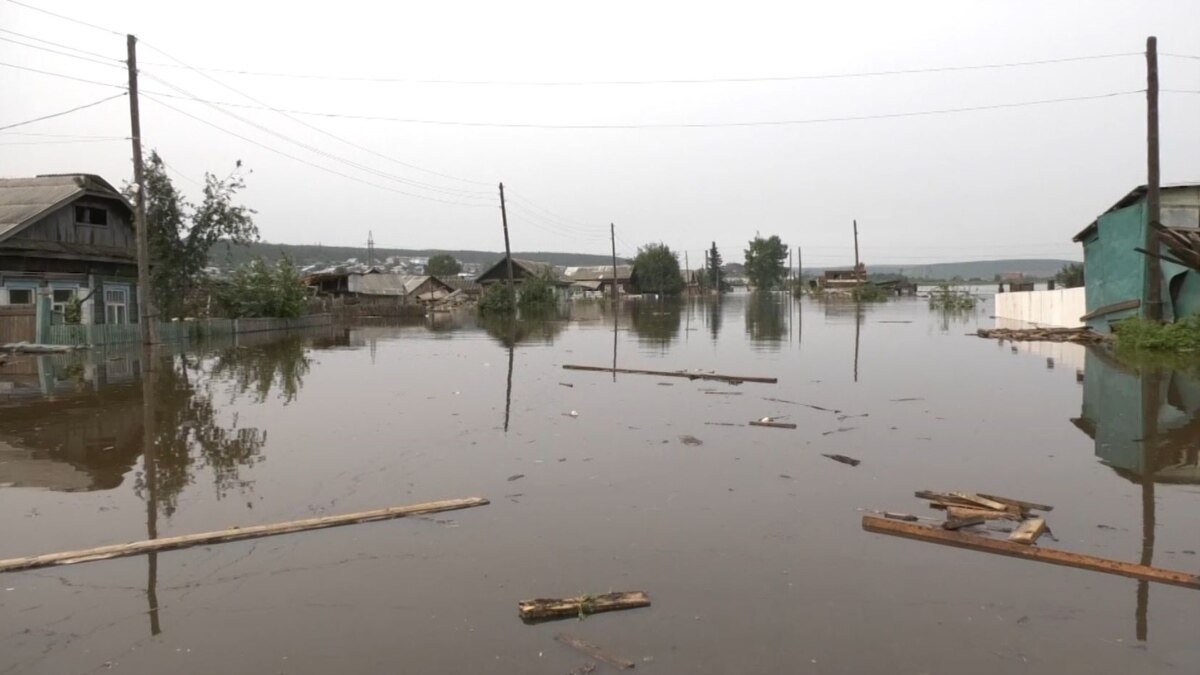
(966, 509)
(1077, 335)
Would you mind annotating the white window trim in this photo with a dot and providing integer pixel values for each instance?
(21, 285)
(124, 288)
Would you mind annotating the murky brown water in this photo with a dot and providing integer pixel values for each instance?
(750, 544)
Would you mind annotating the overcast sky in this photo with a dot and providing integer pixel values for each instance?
(1008, 182)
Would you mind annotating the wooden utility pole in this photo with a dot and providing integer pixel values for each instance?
(856, 263)
(791, 270)
(612, 232)
(799, 265)
(512, 288)
(687, 273)
(1154, 303)
(147, 314)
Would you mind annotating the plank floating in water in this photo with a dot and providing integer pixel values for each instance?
(960, 512)
(1021, 504)
(773, 425)
(844, 459)
(676, 373)
(594, 651)
(545, 609)
(977, 542)
(235, 534)
(1028, 531)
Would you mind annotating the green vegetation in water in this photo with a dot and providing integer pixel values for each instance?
(536, 293)
(1140, 335)
(869, 292)
(951, 299)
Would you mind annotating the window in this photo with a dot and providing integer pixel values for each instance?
(62, 298)
(116, 305)
(20, 296)
(91, 215)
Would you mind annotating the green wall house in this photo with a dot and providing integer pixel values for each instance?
(69, 236)
(1115, 273)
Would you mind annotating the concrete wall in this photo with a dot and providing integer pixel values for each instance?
(1061, 307)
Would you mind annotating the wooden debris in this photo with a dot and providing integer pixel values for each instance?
(566, 384)
(959, 523)
(773, 425)
(594, 651)
(986, 544)
(235, 534)
(1023, 505)
(1076, 335)
(29, 348)
(548, 609)
(1028, 531)
(844, 459)
(677, 373)
(906, 517)
(960, 512)
(723, 393)
(942, 500)
(981, 501)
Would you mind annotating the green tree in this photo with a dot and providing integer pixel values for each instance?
(1070, 276)
(656, 270)
(716, 278)
(260, 290)
(181, 234)
(443, 265)
(765, 267)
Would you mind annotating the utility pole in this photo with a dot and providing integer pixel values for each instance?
(687, 273)
(856, 263)
(512, 289)
(370, 250)
(612, 232)
(799, 265)
(791, 270)
(1154, 303)
(148, 314)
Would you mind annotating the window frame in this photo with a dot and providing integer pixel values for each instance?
(123, 305)
(87, 210)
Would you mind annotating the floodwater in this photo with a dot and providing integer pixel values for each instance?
(749, 544)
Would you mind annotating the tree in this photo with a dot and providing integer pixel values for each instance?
(259, 290)
(716, 279)
(765, 267)
(656, 270)
(1070, 276)
(181, 234)
(443, 265)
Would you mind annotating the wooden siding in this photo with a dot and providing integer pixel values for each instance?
(60, 226)
(17, 324)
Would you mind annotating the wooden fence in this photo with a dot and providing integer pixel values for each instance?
(176, 331)
(18, 323)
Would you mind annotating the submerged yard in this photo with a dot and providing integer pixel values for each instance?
(748, 540)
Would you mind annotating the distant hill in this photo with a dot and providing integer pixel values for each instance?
(225, 254)
(976, 269)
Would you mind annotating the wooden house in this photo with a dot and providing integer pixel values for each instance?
(71, 236)
(522, 270)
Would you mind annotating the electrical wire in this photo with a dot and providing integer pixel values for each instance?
(315, 128)
(60, 114)
(672, 81)
(80, 136)
(1180, 56)
(61, 142)
(304, 161)
(451, 192)
(62, 75)
(560, 221)
(66, 18)
(109, 62)
(61, 45)
(682, 125)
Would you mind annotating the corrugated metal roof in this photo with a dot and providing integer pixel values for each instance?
(598, 273)
(1134, 195)
(376, 284)
(24, 200)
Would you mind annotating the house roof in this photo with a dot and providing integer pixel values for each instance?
(530, 267)
(1134, 196)
(377, 284)
(598, 273)
(461, 284)
(25, 200)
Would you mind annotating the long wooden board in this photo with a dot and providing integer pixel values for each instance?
(773, 425)
(977, 542)
(544, 609)
(675, 373)
(594, 651)
(235, 534)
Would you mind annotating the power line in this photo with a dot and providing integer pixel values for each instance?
(453, 192)
(1180, 56)
(66, 18)
(79, 136)
(672, 81)
(111, 62)
(304, 161)
(63, 142)
(60, 45)
(683, 125)
(561, 221)
(318, 129)
(60, 114)
(62, 75)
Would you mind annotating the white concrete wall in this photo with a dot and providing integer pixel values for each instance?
(1061, 307)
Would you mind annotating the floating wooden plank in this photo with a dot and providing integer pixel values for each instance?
(960, 523)
(546, 609)
(235, 534)
(981, 501)
(676, 373)
(1021, 504)
(843, 459)
(978, 542)
(594, 651)
(960, 512)
(773, 425)
(1028, 531)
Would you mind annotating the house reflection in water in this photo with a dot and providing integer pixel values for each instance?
(78, 426)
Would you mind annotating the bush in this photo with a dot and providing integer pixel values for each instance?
(536, 292)
(951, 299)
(259, 290)
(496, 300)
(1137, 334)
(869, 292)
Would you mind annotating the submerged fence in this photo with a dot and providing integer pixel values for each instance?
(1061, 307)
(175, 331)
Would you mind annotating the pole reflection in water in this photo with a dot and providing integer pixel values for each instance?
(150, 471)
(858, 317)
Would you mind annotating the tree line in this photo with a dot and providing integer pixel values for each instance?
(656, 268)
